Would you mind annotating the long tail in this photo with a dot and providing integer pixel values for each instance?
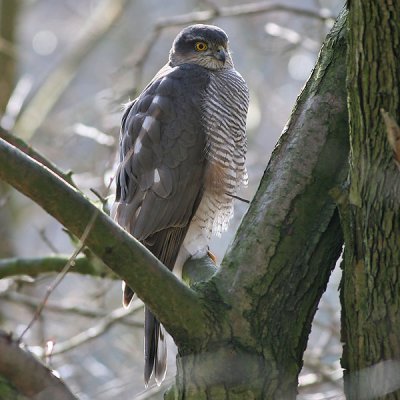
(155, 349)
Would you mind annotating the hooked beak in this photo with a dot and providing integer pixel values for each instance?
(220, 54)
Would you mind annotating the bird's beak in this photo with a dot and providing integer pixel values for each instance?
(220, 54)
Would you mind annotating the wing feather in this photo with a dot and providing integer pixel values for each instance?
(162, 158)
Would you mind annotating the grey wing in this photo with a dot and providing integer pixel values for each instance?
(162, 160)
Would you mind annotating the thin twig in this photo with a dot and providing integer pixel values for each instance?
(29, 301)
(62, 274)
(47, 241)
(238, 198)
(94, 331)
(242, 10)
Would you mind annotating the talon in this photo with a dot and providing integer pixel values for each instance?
(212, 256)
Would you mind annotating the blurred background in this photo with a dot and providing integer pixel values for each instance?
(66, 68)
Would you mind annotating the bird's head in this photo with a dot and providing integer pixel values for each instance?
(204, 45)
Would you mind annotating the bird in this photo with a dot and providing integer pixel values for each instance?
(182, 152)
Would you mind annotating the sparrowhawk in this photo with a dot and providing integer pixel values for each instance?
(182, 160)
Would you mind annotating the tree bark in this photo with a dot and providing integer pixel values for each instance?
(370, 217)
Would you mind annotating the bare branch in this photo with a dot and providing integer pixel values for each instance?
(33, 302)
(29, 375)
(34, 266)
(94, 331)
(208, 15)
(63, 272)
(241, 11)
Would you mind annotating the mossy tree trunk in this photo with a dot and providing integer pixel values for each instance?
(371, 216)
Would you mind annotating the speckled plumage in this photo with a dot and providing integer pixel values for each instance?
(182, 155)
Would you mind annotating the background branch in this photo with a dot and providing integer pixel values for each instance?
(34, 266)
(94, 331)
(102, 20)
(206, 16)
(33, 302)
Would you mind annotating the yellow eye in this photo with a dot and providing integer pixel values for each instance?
(200, 46)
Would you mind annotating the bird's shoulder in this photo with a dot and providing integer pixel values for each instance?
(174, 90)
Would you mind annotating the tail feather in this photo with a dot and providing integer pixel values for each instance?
(155, 349)
(160, 367)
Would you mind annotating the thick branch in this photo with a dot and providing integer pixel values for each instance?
(150, 279)
(30, 377)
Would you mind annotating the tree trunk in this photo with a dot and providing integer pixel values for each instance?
(371, 218)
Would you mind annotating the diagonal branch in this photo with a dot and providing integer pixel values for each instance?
(150, 279)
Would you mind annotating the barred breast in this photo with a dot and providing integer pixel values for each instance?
(224, 118)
